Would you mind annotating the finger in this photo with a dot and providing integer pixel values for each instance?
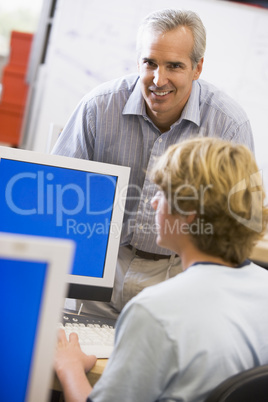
(62, 336)
(73, 337)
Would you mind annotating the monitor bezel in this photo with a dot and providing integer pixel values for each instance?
(81, 287)
(58, 255)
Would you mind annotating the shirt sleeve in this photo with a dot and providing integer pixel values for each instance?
(139, 368)
(244, 135)
(77, 138)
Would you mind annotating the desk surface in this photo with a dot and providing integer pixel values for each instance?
(93, 375)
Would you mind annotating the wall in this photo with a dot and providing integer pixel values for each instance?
(94, 41)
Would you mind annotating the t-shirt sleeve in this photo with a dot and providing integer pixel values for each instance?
(142, 360)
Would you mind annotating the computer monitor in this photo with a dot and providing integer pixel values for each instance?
(32, 290)
(68, 198)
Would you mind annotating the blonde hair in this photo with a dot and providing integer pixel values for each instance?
(219, 183)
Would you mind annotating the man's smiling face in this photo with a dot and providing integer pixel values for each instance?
(166, 74)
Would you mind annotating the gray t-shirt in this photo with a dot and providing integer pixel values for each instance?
(177, 340)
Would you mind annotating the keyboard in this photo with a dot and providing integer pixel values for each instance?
(96, 334)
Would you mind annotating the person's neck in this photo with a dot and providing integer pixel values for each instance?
(191, 255)
(162, 121)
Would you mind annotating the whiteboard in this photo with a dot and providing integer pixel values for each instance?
(94, 41)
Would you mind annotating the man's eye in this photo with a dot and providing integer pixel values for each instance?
(149, 63)
(175, 66)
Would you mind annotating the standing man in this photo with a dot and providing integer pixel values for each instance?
(132, 120)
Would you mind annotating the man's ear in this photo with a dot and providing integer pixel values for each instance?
(138, 66)
(198, 69)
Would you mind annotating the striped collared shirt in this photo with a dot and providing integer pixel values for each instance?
(111, 125)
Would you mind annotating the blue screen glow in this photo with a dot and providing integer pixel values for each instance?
(59, 202)
(21, 289)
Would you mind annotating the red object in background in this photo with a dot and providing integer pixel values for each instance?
(14, 88)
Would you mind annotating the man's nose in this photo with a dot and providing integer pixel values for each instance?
(160, 77)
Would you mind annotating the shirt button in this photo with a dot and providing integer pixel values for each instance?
(160, 140)
(146, 200)
(140, 227)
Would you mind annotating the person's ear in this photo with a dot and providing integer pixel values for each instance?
(190, 218)
(138, 65)
(198, 69)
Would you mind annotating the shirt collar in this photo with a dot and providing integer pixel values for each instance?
(191, 110)
(242, 265)
(136, 104)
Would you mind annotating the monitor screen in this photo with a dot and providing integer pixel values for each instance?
(13, 273)
(55, 196)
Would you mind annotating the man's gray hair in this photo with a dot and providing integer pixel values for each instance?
(169, 19)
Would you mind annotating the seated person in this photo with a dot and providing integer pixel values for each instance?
(179, 339)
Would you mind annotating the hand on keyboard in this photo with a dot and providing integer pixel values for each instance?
(94, 339)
